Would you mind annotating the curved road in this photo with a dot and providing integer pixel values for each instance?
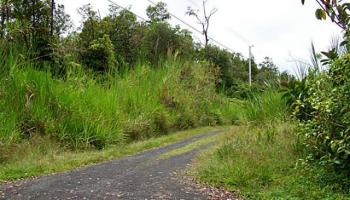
(142, 176)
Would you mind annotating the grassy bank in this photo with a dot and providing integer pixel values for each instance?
(63, 121)
(261, 160)
(82, 112)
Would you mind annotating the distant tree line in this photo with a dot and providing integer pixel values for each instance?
(118, 41)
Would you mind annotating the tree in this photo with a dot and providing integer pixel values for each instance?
(286, 79)
(339, 12)
(100, 55)
(62, 21)
(123, 32)
(336, 10)
(93, 27)
(158, 13)
(232, 66)
(268, 72)
(203, 21)
(35, 23)
(4, 16)
(52, 16)
(268, 65)
(161, 39)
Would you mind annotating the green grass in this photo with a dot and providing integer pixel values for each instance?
(263, 163)
(260, 158)
(42, 156)
(82, 111)
(265, 107)
(192, 146)
(49, 124)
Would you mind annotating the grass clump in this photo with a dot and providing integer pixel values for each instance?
(264, 107)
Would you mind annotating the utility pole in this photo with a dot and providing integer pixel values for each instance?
(250, 64)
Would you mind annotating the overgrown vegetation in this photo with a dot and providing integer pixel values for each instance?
(322, 106)
(307, 158)
(264, 157)
(263, 162)
(112, 81)
(83, 111)
(70, 94)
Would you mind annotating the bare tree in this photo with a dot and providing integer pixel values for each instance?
(204, 20)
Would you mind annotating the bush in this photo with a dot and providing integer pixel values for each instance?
(100, 55)
(326, 128)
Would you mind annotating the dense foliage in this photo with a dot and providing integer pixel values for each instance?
(320, 101)
(113, 80)
(116, 42)
(80, 111)
(325, 124)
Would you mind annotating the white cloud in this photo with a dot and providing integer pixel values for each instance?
(277, 28)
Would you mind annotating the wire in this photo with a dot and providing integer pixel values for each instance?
(194, 3)
(245, 40)
(184, 22)
(198, 39)
(195, 29)
(112, 2)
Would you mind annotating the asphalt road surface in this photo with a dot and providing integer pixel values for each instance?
(142, 176)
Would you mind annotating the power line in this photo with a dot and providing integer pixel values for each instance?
(238, 35)
(179, 19)
(245, 40)
(199, 40)
(184, 22)
(195, 29)
(142, 18)
(112, 2)
(194, 3)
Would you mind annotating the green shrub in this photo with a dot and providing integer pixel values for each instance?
(100, 55)
(326, 130)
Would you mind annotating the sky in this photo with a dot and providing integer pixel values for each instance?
(280, 29)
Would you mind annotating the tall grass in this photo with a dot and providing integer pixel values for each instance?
(11, 58)
(263, 163)
(260, 158)
(82, 110)
(265, 107)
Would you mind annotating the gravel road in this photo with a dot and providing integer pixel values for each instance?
(141, 176)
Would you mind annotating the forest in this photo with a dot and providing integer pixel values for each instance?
(71, 97)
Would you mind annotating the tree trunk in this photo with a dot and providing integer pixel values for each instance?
(52, 16)
(2, 22)
(33, 18)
